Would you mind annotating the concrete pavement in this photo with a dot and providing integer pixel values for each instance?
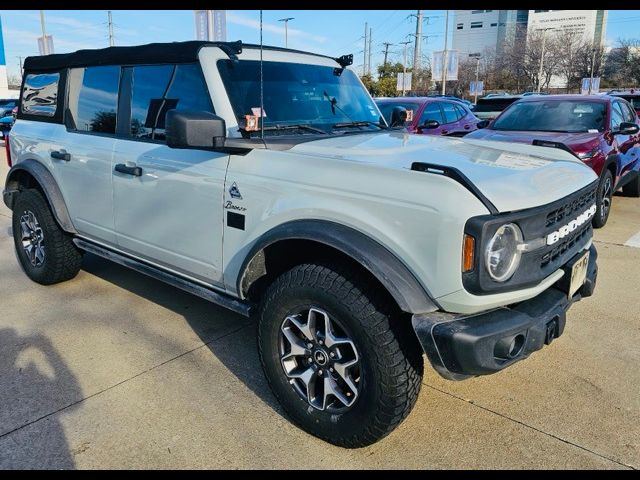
(115, 370)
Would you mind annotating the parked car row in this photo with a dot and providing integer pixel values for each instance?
(602, 131)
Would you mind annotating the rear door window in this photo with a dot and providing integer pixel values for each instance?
(616, 116)
(40, 94)
(450, 112)
(93, 99)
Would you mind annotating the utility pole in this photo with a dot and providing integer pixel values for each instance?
(404, 66)
(593, 64)
(370, 36)
(544, 38)
(365, 69)
(45, 44)
(475, 91)
(286, 30)
(418, 46)
(444, 54)
(386, 51)
(20, 63)
(110, 21)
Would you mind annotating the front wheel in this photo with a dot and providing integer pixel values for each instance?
(604, 198)
(340, 360)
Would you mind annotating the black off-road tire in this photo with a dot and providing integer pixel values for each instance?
(62, 258)
(632, 189)
(600, 218)
(391, 357)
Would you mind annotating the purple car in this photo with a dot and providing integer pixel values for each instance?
(430, 116)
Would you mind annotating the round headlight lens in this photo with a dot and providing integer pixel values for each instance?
(502, 256)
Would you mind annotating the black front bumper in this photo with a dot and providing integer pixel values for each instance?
(460, 346)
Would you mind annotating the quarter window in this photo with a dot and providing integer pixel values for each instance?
(93, 99)
(40, 94)
(157, 89)
(450, 112)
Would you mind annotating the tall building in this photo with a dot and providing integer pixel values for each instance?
(479, 31)
(589, 25)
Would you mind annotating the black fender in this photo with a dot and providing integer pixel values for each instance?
(49, 186)
(390, 271)
(615, 160)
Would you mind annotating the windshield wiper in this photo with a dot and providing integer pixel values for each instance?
(357, 124)
(297, 126)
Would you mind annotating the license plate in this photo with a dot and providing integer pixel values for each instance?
(578, 274)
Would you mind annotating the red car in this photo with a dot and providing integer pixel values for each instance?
(431, 116)
(602, 131)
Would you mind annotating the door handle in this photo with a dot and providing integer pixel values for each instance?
(62, 155)
(134, 171)
(467, 127)
(444, 132)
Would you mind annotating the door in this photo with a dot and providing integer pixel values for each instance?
(452, 119)
(168, 202)
(624, 145)
(629, 148)
(83, 152)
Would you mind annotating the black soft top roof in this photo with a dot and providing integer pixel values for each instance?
(173, 52)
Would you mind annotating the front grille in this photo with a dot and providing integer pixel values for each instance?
(571, 209)
(577, 241)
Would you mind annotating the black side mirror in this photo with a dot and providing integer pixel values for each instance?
(483, 123)
(430, 125)
(398, 117)
(190, 129)
(628, 128)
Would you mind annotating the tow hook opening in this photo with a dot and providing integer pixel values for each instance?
(510, 347)
(552, 331)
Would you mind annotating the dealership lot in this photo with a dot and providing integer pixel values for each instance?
(114, 370)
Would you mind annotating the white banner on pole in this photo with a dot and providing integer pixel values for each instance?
(220, 25)
(477, 87)
(452, 65)
(202, 25)
(595, 87)
(49, 45)
(403, 81)
(437, 65)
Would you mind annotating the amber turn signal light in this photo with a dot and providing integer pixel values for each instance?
(468, 252)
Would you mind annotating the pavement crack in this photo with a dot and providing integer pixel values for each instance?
(245, 325)
(611, 243)
(526, 425)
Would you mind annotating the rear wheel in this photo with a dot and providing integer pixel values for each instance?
(337, 356)
(46, 253)
(632, 189)
(604, 198)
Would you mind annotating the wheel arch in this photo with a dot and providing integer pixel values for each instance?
(290, 243)
(32, 174)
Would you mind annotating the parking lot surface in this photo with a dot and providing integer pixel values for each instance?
(116, 370)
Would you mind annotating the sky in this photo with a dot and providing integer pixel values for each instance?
(331, 32)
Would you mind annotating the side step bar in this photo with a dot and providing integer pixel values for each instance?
(238, 306)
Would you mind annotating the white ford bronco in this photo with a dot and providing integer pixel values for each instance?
(266, 180)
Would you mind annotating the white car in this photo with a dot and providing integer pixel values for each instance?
(266, 181)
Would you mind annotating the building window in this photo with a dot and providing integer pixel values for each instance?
(477, 11)
(494, 24)
(460, 26)
(476, 24)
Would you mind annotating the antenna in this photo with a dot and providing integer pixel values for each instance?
(261, 86)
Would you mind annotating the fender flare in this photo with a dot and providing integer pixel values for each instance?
(390, 271)
(49, 186)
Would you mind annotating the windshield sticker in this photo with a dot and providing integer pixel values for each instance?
(409, 115)
(256, 112)
(251, 123)
(592, 130)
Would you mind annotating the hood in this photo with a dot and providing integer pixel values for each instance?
(571, 140)
(511, 176)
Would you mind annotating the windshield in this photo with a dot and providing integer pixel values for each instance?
(298, 94)
(570, 116)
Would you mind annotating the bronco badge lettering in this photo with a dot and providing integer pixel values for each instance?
(565, 230)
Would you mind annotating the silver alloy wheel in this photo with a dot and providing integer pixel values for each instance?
(32, 238)
(606, 198)
(320, 361)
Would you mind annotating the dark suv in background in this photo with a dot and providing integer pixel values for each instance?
(602, 131)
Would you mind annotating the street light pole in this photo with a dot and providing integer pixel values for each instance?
(475, 90)
(593, 63)
(286, 31)
(404, 67)
(544, 38)
(444, 54)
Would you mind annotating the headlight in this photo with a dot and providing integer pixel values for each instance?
(502, 255)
